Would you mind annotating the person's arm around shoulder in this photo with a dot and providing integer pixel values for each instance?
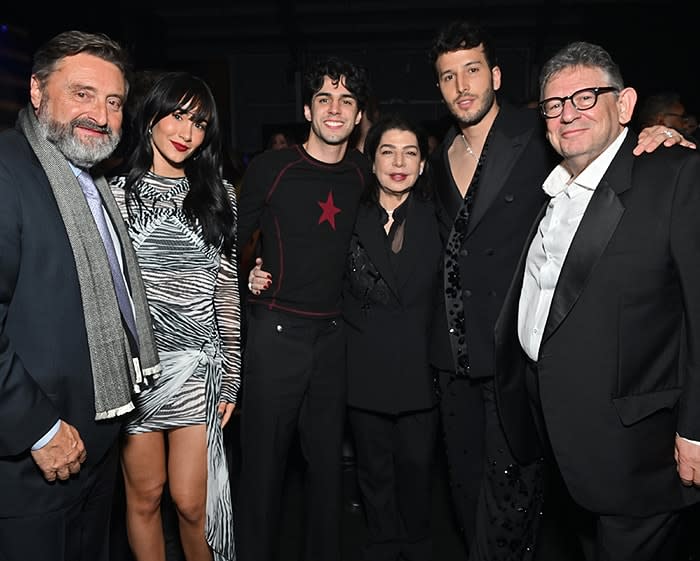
(651, 138)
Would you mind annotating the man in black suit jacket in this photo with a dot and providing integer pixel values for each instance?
(599, 335)
(488, 173)
(67, 366)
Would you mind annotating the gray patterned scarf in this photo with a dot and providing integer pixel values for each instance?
(115, 372)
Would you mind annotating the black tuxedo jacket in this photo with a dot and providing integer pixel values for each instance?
(389, 313)
(45, 370)
(509, 196)
(619, 363)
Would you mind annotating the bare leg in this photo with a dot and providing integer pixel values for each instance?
(143, 464)
(187, 477)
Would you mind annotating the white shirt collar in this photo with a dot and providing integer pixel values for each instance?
(558, 180)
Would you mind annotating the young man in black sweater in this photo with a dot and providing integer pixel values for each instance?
(303, 201)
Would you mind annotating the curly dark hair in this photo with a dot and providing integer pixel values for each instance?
(355, 78)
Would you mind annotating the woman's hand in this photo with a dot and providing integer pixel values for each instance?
(224, 412)
(653, 137)
(258, 280)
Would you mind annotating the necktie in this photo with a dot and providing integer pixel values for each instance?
(94, 201)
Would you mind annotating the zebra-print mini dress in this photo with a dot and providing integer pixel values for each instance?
(194, 302)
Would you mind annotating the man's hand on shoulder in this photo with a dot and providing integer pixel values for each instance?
(63, 454)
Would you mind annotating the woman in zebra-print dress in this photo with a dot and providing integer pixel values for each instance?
(182, 220)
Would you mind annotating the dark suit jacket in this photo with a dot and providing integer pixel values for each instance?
(509, 197)
(613, 385)
(45, 370)
(389, 314)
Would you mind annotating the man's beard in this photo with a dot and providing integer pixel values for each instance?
(83, 153)
(489, 98)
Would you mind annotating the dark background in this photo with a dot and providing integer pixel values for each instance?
(252, 52)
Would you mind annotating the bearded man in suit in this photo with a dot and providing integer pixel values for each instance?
(71, 353)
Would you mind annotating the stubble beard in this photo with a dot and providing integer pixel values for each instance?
(467, 120)
(82, 152)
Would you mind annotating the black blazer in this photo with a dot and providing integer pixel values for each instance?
(389, 314)
(508, 199)
(45, 370)
(613, 382)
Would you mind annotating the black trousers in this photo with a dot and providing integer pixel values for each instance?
(79, 532)
(498, 501)
(395, 456)
(601, 537)
(293, 379)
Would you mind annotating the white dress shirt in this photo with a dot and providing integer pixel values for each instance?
(545, 258)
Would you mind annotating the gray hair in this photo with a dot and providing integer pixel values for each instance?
(71, 43)
(581, 53)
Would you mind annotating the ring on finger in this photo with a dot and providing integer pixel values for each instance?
(668, 133)
(250, 286)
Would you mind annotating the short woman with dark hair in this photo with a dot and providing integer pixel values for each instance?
(392, 282)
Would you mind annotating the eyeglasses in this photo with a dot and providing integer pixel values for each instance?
(582, 100)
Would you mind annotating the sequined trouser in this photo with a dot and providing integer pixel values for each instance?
(497, 501)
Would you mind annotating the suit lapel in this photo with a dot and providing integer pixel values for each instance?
(597, 227)
(373, 238)
(503, 151)
(448, 194)
(494, 174)
(508, 316)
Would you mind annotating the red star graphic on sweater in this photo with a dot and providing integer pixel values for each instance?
(329, 211)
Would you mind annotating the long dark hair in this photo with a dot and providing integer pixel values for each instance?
(394, 121)
(207, 201)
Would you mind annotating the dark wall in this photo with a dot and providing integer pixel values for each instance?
(254, 64)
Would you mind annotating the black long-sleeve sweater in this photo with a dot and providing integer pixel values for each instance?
(305, 210)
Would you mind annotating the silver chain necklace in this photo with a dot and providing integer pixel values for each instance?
(469, 148)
